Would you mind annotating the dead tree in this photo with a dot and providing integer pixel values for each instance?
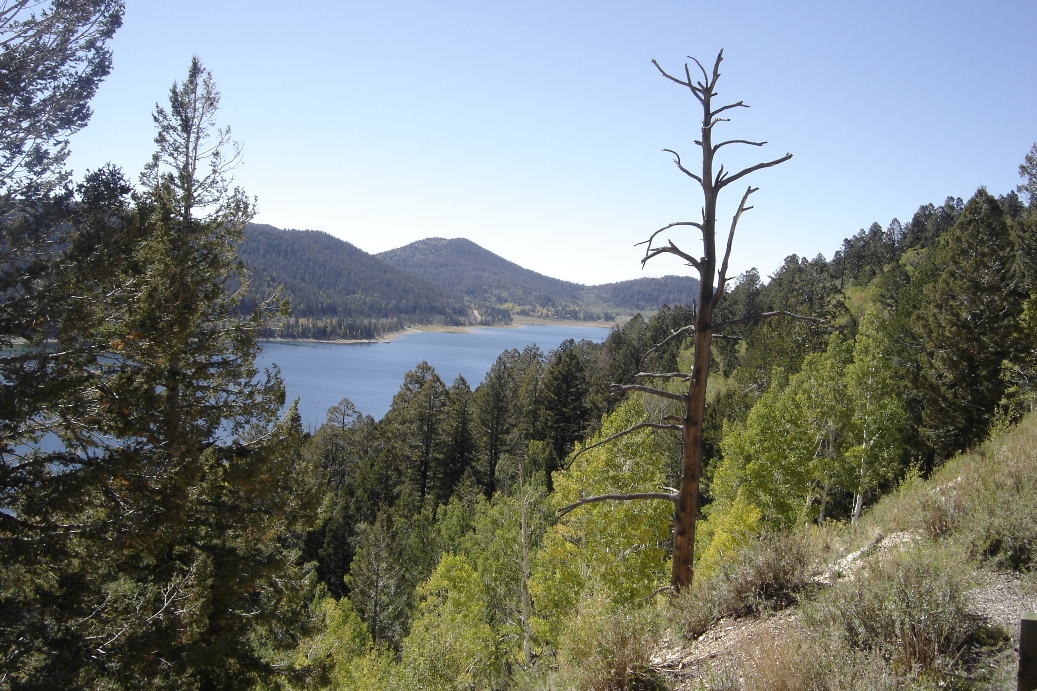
(712, 283)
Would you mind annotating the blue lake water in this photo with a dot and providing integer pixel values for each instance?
(370, 374)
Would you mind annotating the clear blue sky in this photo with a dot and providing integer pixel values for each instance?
(535, 128)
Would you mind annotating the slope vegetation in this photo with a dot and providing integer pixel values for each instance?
(926, 591)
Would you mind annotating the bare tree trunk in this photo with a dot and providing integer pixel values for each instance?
(712, 282)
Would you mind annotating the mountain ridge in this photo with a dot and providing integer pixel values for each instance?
(337, 290)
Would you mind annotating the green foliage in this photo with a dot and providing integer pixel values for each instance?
(54, 59)
(968, 327)
(877, 417)
(833, 426)
(159, 542)
(608, 647)
(1028, 172)
(417, 416)
(451, 644)
(391, 557)
(564, 398)
(613, 548)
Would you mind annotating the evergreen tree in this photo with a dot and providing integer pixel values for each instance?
(459, 450)
(566, 412)
(54, 57)
(177, 499)
(496, 415)
(969, 327)
(415, 420)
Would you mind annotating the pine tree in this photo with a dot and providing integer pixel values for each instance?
(164, 532)
(566, 413)
(968, 327)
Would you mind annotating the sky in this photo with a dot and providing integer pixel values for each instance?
(535, 129)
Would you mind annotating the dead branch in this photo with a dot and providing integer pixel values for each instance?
(660, 344)
(720, 110)
(628, 430)
(635, 496)
(664, 375)
(767, 315)
(716, 147)
(677, 160)
(697, 90)
(651, 237)
(649, 390)
(722, 279)
(721, 183)
(671, 249)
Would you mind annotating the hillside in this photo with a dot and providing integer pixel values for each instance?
(926, 591)
(461, 265)
(337, 290)
(465, 267)
(644, 294)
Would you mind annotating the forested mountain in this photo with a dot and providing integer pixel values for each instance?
(464, 266)
(336, 290)
(461, 265)
(644, 294)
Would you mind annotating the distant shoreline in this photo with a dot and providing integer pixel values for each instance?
(440, 328)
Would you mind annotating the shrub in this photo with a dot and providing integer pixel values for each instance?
(908, 606)
(768, 573)
(799, 660)
(609, 648)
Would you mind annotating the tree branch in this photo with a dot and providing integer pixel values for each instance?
(751, 169)
(628, 430)
(671, 249)
(664, 375)
(649, 390)
(660, 344)
(648, 242)
(736, 141)
(677, 160)
(766, 315)
(720, 110)
(722, 278)
(634, 496)
(694, 89)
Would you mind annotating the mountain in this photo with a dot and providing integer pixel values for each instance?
(645, 294)
(337, 290)
(463, 266)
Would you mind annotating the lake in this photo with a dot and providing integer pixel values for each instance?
(370, 374)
